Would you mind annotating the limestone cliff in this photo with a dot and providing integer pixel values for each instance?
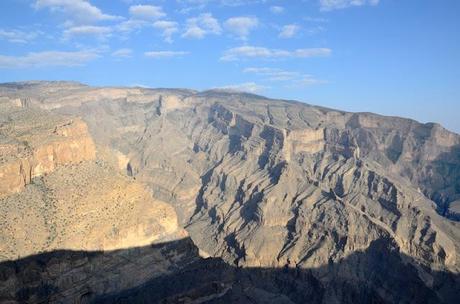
(34, 143)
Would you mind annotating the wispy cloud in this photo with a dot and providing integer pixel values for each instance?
(168, 28)
(275, 9)
(250, 87)
(146, 12)
(272, 74)
(329, 5)
(141, 16)
(80, 11)
(132, 25)
(199, 27)
(240, 2)
(165, 54)
(200, 4)
(262, 52)
(279, 75)
(289, 31)
(48, 59)
(241, 26)
(87, 30)
(18, 36)
(316, 19)
(315, 30)
(122, 53)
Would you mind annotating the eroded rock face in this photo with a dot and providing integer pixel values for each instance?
(271, 184)
(306, 141)
(34, 143)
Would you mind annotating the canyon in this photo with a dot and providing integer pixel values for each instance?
(135, 195)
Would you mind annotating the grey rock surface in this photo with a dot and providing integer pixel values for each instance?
(275, 184)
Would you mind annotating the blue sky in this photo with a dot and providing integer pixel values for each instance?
(393, 57)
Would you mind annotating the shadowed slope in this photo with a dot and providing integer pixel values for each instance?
(174, 273)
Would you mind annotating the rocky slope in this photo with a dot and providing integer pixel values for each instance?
(273, 184)
(60, 200)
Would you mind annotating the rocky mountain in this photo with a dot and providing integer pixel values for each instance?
(264, 200)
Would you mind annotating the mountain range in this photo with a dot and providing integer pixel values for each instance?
(136, 195)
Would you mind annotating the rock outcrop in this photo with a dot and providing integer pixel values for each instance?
(34, 143)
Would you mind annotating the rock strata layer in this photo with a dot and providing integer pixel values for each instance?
(34, 143)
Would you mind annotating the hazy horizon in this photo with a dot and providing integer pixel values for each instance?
(387, 57)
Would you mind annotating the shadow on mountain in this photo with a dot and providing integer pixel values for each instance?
(173, 272)
(444, 172)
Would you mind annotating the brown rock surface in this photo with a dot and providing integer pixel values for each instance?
(273, 184)
(33, 143)
(83, 207)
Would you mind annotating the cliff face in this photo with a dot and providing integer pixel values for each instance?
(34, 143)
(272, 184)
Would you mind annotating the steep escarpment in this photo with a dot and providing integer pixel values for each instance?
(335, 199)
(427, 155)
(34, 143)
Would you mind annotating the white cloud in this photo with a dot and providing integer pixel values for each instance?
(262, 52)
(316, 19)
(196, 4)
(18, 36)
(141, 17)
(328, 5)
(168, 28)
(272, 74)
(199, 27)
(307, 80)
(122, 53)
(250, 87)
(241, 26)
(275, 9)
(188, 6)
(279, 75)
(87, 30)
(146, 12)
(132, 25)
(165, 54)
(315, 30)
(240, 2)
(289, 31)
(80, 11)
(312, 52)
(48, 59)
